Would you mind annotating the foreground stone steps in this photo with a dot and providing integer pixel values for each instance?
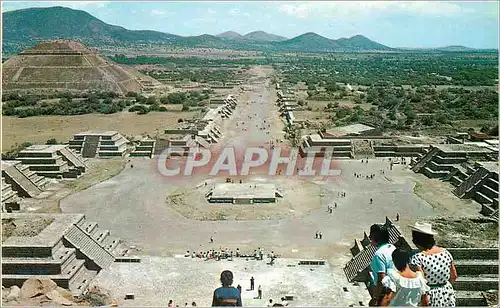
(470, 298)
(476, 267)
(476, 283)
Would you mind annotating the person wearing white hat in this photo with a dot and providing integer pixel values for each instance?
(436, 263)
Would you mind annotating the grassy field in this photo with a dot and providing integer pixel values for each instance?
(40, 129)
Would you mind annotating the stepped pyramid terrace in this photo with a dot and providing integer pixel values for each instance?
(10, 199)
(69, 65)
(24, 181)
(56, 161)
(144, 148)
(63, 247)
(467, 167)
(99, 144)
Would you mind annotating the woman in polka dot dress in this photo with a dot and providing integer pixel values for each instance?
(437, 265)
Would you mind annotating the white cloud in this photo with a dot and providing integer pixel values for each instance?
(353, 10)
(77, 5)
(237, 12)
(160, 12)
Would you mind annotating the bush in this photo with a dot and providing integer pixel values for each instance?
(185, 107)
(141, 109)
(51, 141)
(12, 153)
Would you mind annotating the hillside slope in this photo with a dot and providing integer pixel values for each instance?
(23, 28)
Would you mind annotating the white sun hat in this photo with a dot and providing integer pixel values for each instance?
(423, 227)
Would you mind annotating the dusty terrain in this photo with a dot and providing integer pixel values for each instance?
(40, 129)
(98, 170)
(156, 280)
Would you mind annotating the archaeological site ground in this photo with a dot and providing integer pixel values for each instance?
(91, 130)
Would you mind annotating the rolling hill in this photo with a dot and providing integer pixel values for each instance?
(24, 28)
(230, 35)
(261, 36)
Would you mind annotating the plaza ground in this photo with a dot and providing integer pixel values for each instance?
(135, 205)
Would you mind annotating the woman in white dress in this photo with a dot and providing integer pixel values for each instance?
(409, 287)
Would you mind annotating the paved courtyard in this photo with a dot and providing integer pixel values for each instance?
(156, 280)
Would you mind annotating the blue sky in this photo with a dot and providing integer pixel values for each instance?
(393, 23)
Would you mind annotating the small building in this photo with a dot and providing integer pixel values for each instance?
(57, 161)
(144, 148)
(351, 130)
(245, 193)
(63, 247)
(99, 144)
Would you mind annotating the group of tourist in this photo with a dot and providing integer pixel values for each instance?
(403, 278)
(225, 253)
(368, 177)
(171, 304)
(330, 208)
(211, 254)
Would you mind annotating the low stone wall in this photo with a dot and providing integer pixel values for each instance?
(474, 253)
(26, 252)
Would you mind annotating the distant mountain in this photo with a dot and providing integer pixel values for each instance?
(455, 48)
(359, 42)
(307, 42)
(23, 28)
(261, 36)
(230, 35)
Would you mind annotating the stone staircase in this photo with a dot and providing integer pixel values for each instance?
(25, 182)
(362, 148)
(477, 270)
(145, 148)
(76, 160)
(420, 163)
(471, 182)
(90, 146)
(10, 199)
(89, 246)
(103, 238)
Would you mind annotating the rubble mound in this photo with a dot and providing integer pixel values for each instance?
(24, 227)
(37, 292)
(45, 292)
(68, 66)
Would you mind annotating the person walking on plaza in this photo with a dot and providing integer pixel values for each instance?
(437, 265)
(239, 288)
(211, 239)
(259, 292)
(226, 295)
(320, 235)
(252, 283)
